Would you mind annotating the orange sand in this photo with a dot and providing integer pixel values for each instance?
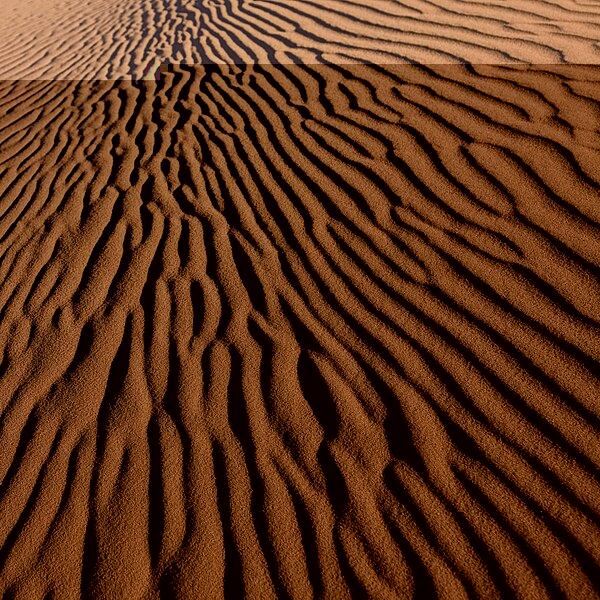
(301, 332)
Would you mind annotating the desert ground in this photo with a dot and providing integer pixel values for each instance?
(114, 40)
(310, 311)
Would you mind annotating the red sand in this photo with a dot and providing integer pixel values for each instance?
(296, 332)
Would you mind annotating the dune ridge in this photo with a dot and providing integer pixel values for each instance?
(301, 331)
(107, 39)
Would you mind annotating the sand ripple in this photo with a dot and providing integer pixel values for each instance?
(294, 332)
(115, 39)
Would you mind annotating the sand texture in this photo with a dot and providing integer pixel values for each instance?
(119, 39)
(300, 332)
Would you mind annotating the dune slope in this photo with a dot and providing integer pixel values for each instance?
(301, 331)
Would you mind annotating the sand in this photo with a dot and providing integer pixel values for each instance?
(111, 39)
(302, 331)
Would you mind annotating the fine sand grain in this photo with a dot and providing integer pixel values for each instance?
(302, 331)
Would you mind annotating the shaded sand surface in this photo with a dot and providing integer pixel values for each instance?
(301, 332)
(117, 39)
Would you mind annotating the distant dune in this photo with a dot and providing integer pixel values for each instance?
(110, 39)
(302, 331)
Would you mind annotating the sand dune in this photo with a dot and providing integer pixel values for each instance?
(301, 331)
(110, 39)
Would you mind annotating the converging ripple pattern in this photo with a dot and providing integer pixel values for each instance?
(301, 332)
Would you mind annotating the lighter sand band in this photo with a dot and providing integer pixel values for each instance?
(110, 39)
